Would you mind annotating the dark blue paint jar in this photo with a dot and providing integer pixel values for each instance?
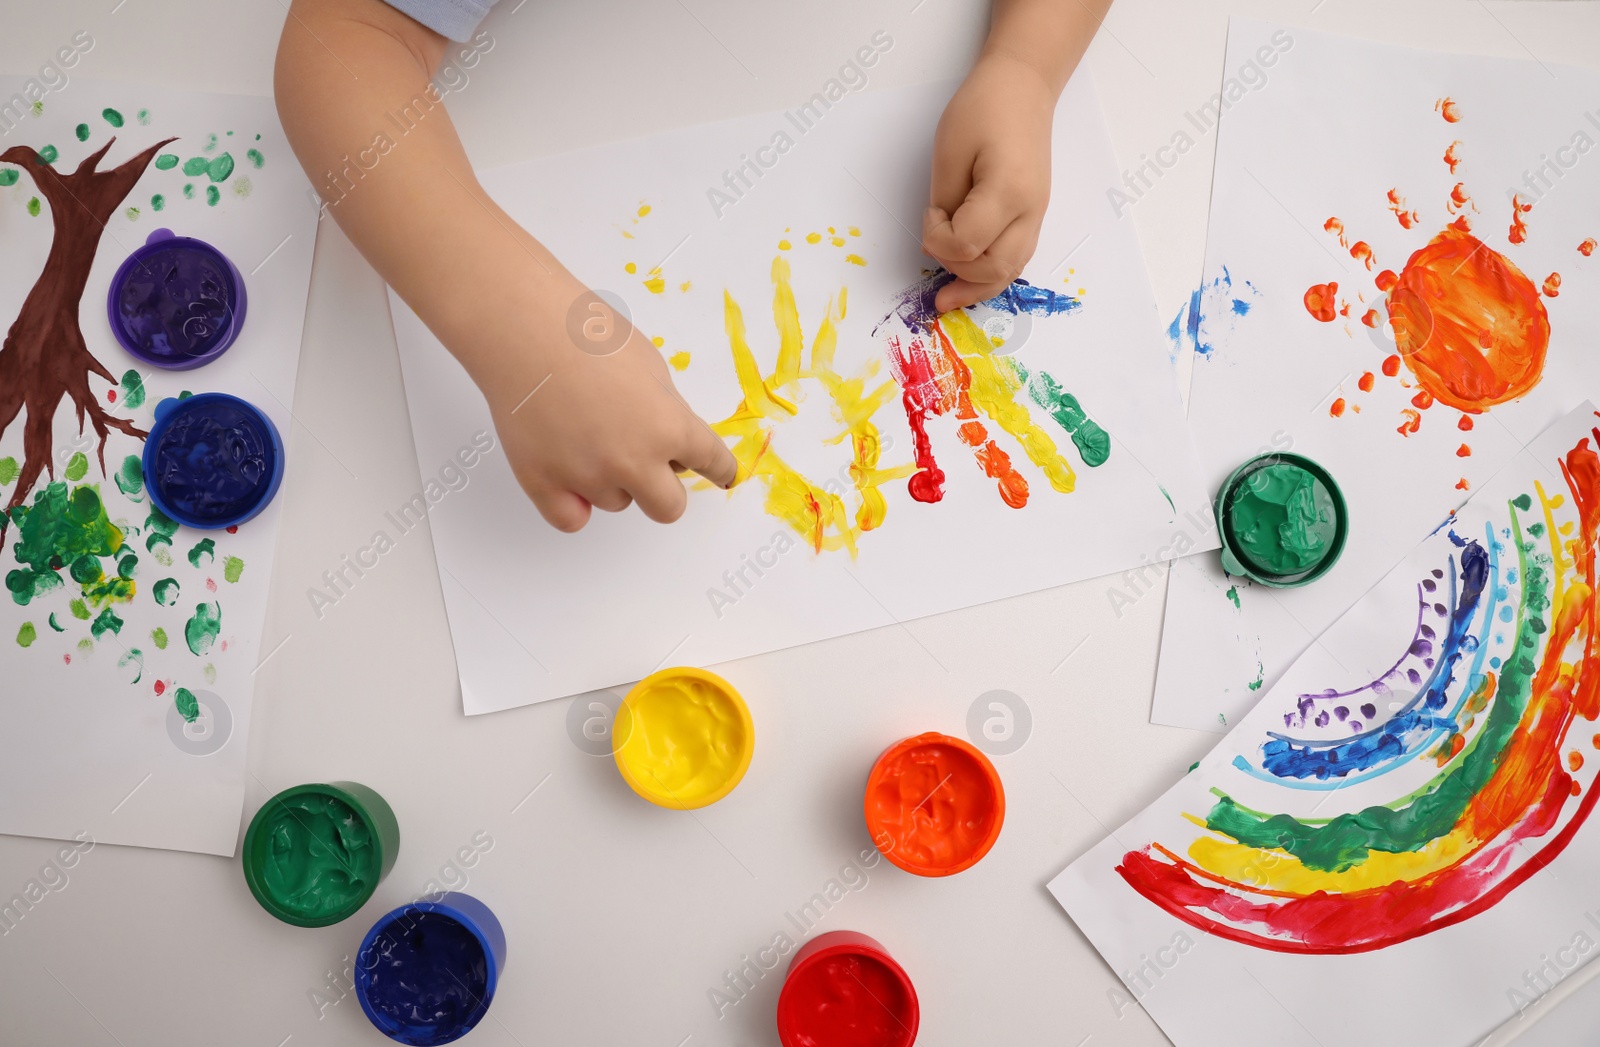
(176, 302)
(426, 972)
(212, 460)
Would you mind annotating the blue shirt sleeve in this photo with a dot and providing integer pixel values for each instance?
(456, 19)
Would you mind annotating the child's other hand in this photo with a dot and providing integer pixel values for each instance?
(605, 429)
(991, 179)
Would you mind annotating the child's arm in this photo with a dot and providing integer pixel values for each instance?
(580, 428)
(991, 154)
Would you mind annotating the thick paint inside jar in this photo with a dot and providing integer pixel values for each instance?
(846, 1000)
(933, 806)
(316, 858)
(175, 302)
(1281, 519)
(425, 978)
(684, 738)
(212, 461)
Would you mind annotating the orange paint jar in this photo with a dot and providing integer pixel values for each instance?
(934, 804)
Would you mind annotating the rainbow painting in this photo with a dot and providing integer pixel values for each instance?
(1361, 806)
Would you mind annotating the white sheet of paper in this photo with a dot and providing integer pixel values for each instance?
(1432, 937)
(1326, 131)
(536, 614)
(96, 744)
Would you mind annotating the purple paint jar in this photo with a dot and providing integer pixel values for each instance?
(176, 302)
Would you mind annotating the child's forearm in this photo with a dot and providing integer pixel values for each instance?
(409, 201)
(1045, 36)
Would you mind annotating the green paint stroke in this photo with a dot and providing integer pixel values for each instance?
(158, 202)
(130, 478)
(166, 162)
(108, 622)
(58, 529)
(134, 657)
(188, 190)
(161, 527)
(205, 547)
(188, 705)
(1261, 675)
(213, 194)
(211, 142)
(143, 116)
(220, 167)
(242, 187)
(166, 591)
(57, 626)
(1233, 594)
(232, 568)
(86, 645)
(127, 564)
(82, 131)
(49, 154)
(8, 470)
(200, 631)
(79, 609)
(26, 635)
(196, 166)
(77, 467)
(255, 158)
(9, 176)
(133, 383)
(1346, 840)
(34, 207)
(112, 117)
(210, 673)
(132, 213)
(158, 636)
(1093, 443)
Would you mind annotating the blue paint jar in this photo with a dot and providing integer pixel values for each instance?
(176, 302)
(426, 972)
(212, 460)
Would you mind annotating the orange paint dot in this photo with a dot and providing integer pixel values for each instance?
(1321, 301)
(1576, 788)
(1337, 407)
(1552, 285)
(1451, 158)
(1587, 247)
(1423, 400)
(1397, 204)
(1462, 485)
(1448, 109)
(1461, 225)
(1386, 280)
(1465, 424)
(1468, 324)
(1370, 318)
(1391, 365)
(1575, 760)
(1413, 422)
(1459, 197)
(1597, 741)
(1519, 229)
(1365, 382)
(1463, 451)
(1336, 227)
(1362, 252)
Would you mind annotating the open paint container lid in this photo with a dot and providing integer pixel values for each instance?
(176, 302)
(683, 738)
(934, 804)
(426, 972)
(212, 460)
(1282, 520)
(314, 853)
(844, 988)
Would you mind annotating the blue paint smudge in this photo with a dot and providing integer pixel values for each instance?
(1207, 318)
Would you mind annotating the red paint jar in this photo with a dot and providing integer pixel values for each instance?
(934, 804)
(844, 990)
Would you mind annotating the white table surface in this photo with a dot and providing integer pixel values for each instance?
(621, 916)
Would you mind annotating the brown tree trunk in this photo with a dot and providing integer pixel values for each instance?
(44, 357)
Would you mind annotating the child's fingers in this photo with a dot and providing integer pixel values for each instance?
(967, 234)
(613, 500)
(988, 276)
(563, 510)
(706, 454)
(660, 495)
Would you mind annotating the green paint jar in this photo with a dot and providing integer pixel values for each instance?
(1282, 520)
(314, 853)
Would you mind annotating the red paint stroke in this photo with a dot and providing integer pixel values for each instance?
(1336, 409)
(1519, 229)
(1469, 325)
(1522, 800)
(1322, 301)
(919, 394)
(1552, 285)
(1397, 204)
(1447, 108)
(1451, 158)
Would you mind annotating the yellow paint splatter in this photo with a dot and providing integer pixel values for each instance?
(837, 241)
(855, 259)
(658, 341)
(679, 360)
(629, 267)
(784, 245)
(819, 516)
(625, 233)
(654, 283)
(684, 287)
(813, 238)
(854, 231)
(644, 209)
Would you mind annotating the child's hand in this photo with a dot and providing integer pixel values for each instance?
(991, 178)
(604, 429)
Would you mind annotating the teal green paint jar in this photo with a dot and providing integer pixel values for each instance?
(315, 853)
(1282, 520)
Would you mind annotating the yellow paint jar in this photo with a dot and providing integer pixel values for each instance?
(683, 738)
